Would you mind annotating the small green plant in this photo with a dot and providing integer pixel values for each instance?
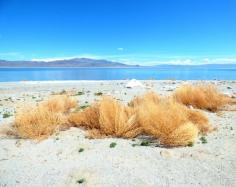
(80, 93)
(190, 144)
(203, 139)
(98, 94)
(83, 106)
(81, 150)
(145, 143)
(113, 144)
(6, 115)
(80, 181)
(33, 97)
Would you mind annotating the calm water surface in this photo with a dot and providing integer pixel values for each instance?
(192, 73)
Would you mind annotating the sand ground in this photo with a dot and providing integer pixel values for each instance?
(57, 161)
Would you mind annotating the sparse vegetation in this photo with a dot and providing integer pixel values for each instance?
(81, 150)
(84, 106)
(168, 121)
(80, 181)
(190, 144)
(171, 122)
(203, 139)
(59, 103)
(117, 120)
(38, 122)
(112, 145)
(202, 96)
(108, 117)
(6, 115)
(88, 118)
(145, 143)
(147, 97)
(80, 93)
(43, 120)
(98, 94)
(200, 121)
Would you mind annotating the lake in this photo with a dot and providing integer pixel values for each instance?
(158, 73)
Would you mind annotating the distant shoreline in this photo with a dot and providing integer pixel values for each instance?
(9, 74)
(80, 67)
(219, 66)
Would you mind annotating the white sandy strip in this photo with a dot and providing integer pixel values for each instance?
(58, 162)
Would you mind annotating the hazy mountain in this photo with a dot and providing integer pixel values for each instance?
(76, 62)
(86, 62)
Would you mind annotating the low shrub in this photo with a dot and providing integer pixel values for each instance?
(202, 96)
(147, 97)
(41, 121)
(166, 121)
(109, 117)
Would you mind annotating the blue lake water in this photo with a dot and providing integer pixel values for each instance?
(178, 73)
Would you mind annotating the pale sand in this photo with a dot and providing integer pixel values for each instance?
(57, 162)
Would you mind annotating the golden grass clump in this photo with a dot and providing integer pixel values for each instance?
(37, 123)
(108, 117)
(166, 121)
(170, 121)
(59, 103)
(117, 119)
(200, 121)
(202, 96)
(184, 135)
(148, 96)
(43, 120)
(88, 118)
(96, 134)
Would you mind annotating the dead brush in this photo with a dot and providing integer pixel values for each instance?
(184, 135)
(59, 103)
(202, 96)
(88, 118)
(196, 117)
(148, 96)
(41, 121)
(200, 121)
(117, 119)
(108, 117)
(167, 121)
(38, 123)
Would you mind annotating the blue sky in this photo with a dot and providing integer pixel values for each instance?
(131, 31)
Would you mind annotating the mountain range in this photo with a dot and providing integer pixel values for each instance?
(75, 62)
(87, 62)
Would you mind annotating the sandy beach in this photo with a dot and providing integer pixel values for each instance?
(68, 157)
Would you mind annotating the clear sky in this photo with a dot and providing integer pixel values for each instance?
(131, 31)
